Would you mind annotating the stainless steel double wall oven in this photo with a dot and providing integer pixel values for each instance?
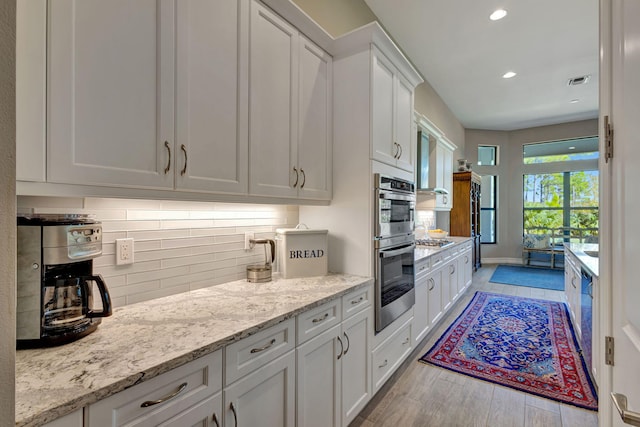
(394, 246)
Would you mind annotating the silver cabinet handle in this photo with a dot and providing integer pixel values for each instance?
(348, 343)
(259, 349)
(573, 281)
(214, 419)
(383, 364)
(295, 184)
(341, 349)
(452, 269)
(320, 319)
(397, 150)
(433, 283)
(184, 150)
(168, 168)
(466, 259)
(400, 154)
(358, 301)
(304, 178)
(235, 415)
(628, 417)
(164, 399)
(406, 341)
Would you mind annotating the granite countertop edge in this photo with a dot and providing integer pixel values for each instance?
(80, 364)
(588, 262)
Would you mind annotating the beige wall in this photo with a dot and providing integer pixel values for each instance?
(510, 170)
(7, 211)
(338, 17)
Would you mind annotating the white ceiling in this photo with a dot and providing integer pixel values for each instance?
(463, 55)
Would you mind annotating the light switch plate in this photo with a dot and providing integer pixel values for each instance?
(124, 251)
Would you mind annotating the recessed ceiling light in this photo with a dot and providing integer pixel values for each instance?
(573, 101)
(498, 14)
(572, 148)
(508, 75)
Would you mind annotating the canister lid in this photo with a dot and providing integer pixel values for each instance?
(300, 231)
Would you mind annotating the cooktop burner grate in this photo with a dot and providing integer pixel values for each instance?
(434, 242)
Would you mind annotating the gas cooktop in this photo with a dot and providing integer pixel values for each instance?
(434, 242)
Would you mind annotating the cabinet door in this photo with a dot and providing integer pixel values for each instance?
(273, 105)
(404, 124)
(356, 372)
(384, 147)
(211, 152)
(314, 122)
(110, 99)
(204, 414)
(434, 288)
(420, 310)
(318, 380)
(465, 266)
(265, 397)
(452, 269)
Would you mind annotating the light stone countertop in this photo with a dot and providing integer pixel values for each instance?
(589, 262)
(147, 339)
(422, 252)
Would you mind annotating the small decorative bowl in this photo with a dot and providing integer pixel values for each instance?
(437, 234)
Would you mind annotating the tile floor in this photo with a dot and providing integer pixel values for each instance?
(423, 395)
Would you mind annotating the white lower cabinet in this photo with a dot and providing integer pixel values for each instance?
(73, 419)
(390, 354)
(333, 373)
(420, 308)
(464, 268)
(166, 398)
(434, 295)
(265, 397)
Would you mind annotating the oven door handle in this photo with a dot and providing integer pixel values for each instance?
(403, 250)
(395, 196)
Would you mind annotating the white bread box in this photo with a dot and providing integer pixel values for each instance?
(302, 252)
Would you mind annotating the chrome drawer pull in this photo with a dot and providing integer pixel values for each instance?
(259, 349)
(406, 341)
(184, 169)
(235, 415)
(354, 302)
(384, 363)
(166, 170)
(628, 417)
(341, 349)
(320, 319)
(164, 399)
(348, 343)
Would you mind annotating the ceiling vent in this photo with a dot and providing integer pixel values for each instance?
(575, 81)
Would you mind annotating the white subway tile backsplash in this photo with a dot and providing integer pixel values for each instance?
(178, 246)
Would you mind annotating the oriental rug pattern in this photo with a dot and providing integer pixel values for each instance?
(523, 343)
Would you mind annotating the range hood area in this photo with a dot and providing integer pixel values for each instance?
(434, 190)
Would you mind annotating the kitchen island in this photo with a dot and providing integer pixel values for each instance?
(141, 341)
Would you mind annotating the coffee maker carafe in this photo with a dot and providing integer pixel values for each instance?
(56, 281)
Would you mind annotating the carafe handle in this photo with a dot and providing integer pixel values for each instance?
(273, 248)
(104, 295)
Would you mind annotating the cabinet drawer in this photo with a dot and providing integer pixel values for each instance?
(422, 267)
(179, 388)
(388, 355)
(355, 301)
(312, 322)
(436, 260)
(251, 353)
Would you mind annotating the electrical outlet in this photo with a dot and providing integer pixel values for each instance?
(124, 251)
(248, 235)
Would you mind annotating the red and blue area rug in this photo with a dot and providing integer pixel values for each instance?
(523, 343)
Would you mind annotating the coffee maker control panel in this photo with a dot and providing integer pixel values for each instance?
(84, 234)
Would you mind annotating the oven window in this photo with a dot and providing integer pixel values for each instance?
(396, 277)
(396, 211)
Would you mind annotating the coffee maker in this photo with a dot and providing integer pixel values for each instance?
(55, 283)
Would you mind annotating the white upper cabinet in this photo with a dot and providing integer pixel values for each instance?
(211, 96)
(392, 106)
(289, 111)
(121, 112)
(111, 93)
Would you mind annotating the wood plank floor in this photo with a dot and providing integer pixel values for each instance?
(424, 395)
